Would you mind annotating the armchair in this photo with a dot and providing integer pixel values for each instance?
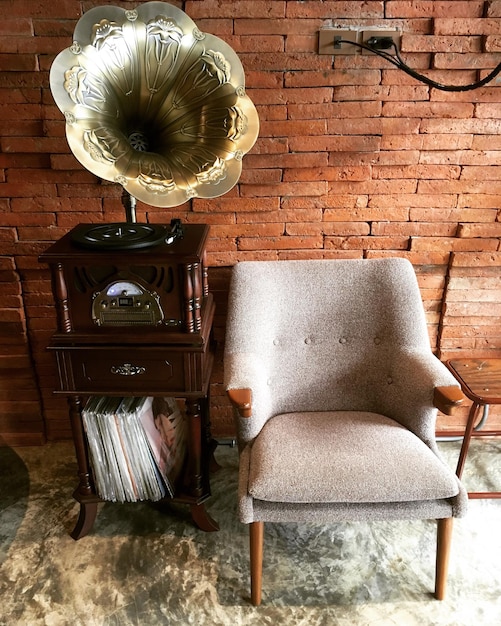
(335, 388)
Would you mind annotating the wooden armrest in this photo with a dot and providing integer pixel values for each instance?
(447, 399)
(241, 399)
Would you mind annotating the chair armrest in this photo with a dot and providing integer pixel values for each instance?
(447, 399)
(241, 399)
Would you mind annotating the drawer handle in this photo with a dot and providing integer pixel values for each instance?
(127, 369)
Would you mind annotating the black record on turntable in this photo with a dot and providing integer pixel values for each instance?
(119, 236)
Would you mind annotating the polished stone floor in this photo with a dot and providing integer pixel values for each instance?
(139, 567)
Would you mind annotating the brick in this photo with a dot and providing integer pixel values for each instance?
(261, 176)
(449, 243)
(417, 171)
(28, 219)
(273, 26)
(20, 112)
(479, 200)
(235, 9)
(417, 229)
(264, 80)
(473, 309)
(434, 8)
(493, 8)
(381, 92)
(475, 295)
(290, 128)
(26, 190)
(382, 187)
(477, 260)
(63, 9)
(18, 63)
(302, 43)
(459, 186)
(484, 94)
(433, 43)
(279, 61)
(383, 157)
(474, 172)
(452, 60)
(20, 96)
(335, 109)
(428, 109)
(277, 145)
(268, 43)
(455, 215)
(465, 26)
(488, 110)
(33, 45)
(247, 230)
(237, 205)
(304, 159)
(53, 27)
(486, 142)
(328, 228)
(327, 174)
(332, 78)
(410, 201)
(477, 330)
(340, 9)
(54, 204)
(438, 157)
(335, 143)
(16, 27)
(280, 243)
(307, 189)
(367, 126)
(476, 126)
(366, 243)
(342, 201)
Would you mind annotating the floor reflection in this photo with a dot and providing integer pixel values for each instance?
(141, 567)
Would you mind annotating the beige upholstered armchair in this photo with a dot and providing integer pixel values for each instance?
(329, 367)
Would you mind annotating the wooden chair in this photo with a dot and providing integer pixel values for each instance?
(335, 387)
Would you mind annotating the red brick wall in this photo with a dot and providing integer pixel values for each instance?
(354, 159)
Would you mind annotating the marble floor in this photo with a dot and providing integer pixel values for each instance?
(140, 567)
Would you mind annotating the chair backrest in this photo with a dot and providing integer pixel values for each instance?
(322, 334)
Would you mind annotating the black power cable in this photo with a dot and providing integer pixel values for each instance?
(387, 43)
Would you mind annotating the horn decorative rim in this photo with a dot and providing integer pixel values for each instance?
(154, 104)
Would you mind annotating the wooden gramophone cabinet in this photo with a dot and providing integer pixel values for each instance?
(136, 322)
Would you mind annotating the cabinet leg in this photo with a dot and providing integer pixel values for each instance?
(86, 519)
(202, 519)
(213, 464)
(194, 477)
(75, 411)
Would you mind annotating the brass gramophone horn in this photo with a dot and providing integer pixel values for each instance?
(154, 104)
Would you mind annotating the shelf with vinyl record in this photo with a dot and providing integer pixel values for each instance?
(135, 320)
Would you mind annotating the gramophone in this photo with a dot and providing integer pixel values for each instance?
(157, 106)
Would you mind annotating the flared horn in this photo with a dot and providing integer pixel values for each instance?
(154, 104)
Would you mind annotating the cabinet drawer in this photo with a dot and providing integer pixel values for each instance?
(137, 371)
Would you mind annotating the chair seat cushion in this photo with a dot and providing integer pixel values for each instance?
(344, 456)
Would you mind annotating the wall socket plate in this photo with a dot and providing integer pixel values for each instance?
(368, 34)
(327, 41)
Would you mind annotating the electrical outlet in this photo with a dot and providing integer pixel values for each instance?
(382, 33)
(329, 41)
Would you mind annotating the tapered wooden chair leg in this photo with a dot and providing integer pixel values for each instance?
(256, 535)
(444, 537)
